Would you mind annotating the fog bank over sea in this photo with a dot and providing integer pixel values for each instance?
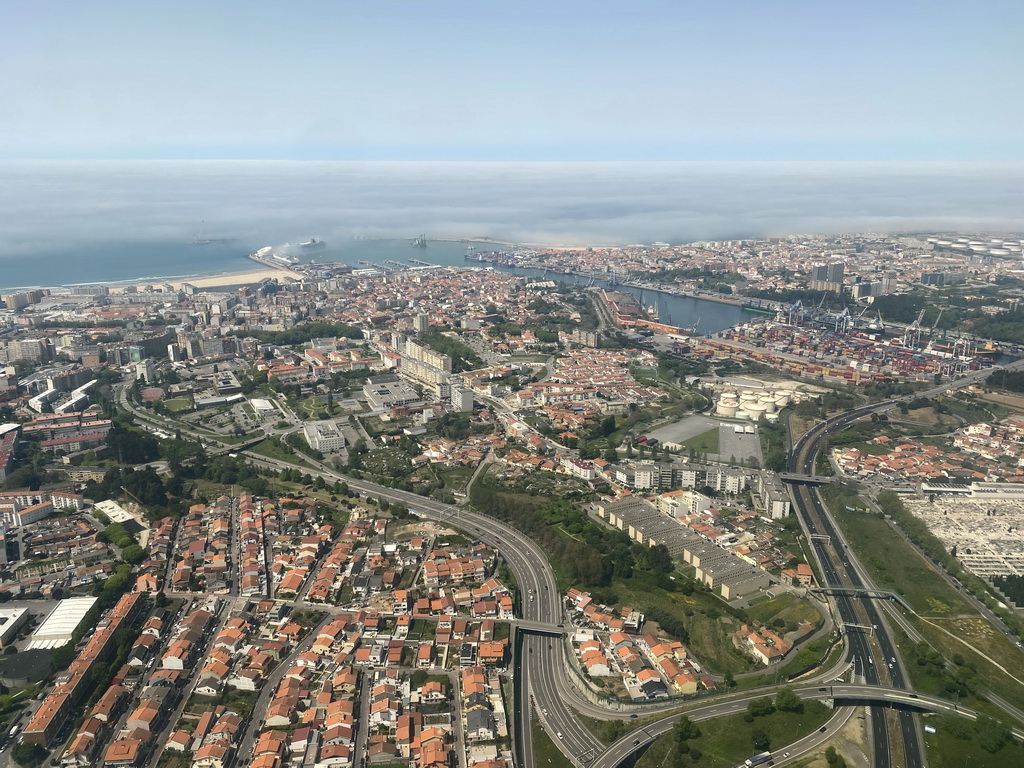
(66, 222)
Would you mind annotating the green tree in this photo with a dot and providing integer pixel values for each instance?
(761, 739)
(787, 701)
(685, 729)
(760, 707)
(992, 734)
(28, 754)
(133, 554)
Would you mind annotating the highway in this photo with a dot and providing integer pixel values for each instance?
(872, 647)
(845, 698)
(540, 603)
(543, 679)
(869, 643)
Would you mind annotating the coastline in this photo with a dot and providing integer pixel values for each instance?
(223, 280)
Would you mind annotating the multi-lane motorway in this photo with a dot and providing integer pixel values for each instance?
(869, 641)
(543, 686)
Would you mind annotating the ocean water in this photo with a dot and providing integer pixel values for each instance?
(91, 221)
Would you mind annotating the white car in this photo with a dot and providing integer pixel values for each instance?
(559, 734)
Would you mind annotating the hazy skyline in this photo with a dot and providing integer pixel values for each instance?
(515, 81)
(53, 207)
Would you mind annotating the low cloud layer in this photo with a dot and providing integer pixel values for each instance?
(51, 208)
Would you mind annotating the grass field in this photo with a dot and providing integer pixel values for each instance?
(704, 617)
(705, 442)
(895, 565)
(728, 741)
(545, 752)
(177, 404)
(943, 615)
(787, 607)
(946, 750)
(273, 451)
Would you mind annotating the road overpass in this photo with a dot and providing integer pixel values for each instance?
(844, 697)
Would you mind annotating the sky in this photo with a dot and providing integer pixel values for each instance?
(556, 80)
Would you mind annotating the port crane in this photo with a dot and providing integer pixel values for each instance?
(912, 335)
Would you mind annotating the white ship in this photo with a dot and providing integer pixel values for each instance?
(268, 254)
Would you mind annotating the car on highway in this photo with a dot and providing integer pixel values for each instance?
(559, 734)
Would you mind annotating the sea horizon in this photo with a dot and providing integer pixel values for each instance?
(95, 221)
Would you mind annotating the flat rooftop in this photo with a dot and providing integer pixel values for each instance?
(56, 629)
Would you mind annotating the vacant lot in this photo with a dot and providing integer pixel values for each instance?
(705, 442)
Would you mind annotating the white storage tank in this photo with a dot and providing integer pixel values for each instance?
(727, 408)
(754, 410)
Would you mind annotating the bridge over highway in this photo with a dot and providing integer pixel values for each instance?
(800, 479)
(851, 590)
(841, 696)
(538, 627)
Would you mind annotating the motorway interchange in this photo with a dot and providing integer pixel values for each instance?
(543, 671)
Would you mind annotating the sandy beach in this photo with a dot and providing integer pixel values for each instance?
(228, 279)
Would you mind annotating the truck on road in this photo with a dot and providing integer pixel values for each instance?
(760, 759)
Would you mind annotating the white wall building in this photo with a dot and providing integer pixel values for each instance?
(324, 436)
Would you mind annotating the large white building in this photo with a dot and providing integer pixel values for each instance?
(324, 436)
(11, 620)
(57, 628)
(384, 392)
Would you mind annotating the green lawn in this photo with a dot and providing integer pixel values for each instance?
(274, 451)
(176, 404)
(455, 479)
(172, 759)
(706, 442)
(787, 607)
(895, 565)
(705, 618)
(946, 748)
(728, 741)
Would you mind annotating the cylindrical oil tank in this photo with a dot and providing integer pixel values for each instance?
(727, 408)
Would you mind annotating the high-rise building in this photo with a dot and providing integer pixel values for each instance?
(421, 323)
(36, 350)
(828, 273)
(462, 399)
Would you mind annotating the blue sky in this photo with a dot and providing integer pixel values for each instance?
(555, 80)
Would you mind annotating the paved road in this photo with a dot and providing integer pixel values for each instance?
(543, 662)
(873, 650)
